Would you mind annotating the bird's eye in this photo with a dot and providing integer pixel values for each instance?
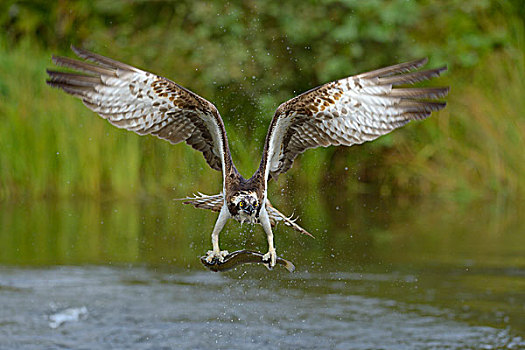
(241, 204)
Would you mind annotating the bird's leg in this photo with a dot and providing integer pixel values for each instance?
(271, 256)
(216, 253)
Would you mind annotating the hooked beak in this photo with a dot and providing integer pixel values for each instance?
(249, 209)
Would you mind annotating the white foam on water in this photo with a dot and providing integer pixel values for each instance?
(73, 314)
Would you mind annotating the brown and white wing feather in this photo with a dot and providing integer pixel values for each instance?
(145, 103)
(349, 111)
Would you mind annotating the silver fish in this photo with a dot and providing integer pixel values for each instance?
(243, 257)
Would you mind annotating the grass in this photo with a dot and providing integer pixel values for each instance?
(475, 145)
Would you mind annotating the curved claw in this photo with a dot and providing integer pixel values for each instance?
(270, 257)
(219, 255)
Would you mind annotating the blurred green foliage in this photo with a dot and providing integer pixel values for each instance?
(247, 57)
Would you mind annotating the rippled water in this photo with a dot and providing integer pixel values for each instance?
(384, 275)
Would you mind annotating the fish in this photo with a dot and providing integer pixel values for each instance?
(240, 257)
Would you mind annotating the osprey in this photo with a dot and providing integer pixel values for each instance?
(345, 112)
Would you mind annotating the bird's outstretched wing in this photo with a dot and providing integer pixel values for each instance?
(145, 103)
(349, 111)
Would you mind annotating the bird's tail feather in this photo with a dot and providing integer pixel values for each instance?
(215, 203)
(204, 201)
(276, 216)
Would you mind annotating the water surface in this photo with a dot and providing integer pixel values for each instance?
(381, 274)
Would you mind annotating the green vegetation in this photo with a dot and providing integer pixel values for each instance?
(247, 58)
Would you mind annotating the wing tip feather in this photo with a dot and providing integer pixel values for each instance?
(394, 69)
(76, 49)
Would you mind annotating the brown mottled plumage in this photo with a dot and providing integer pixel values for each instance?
(345, 112)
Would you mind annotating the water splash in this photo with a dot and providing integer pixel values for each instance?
(68, 315)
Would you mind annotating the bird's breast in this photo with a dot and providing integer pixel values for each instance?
(245, 218)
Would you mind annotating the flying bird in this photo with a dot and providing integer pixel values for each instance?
(344, 112)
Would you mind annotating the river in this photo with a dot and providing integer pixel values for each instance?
(380, 274)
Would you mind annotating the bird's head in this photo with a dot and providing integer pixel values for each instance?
(245, 203)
